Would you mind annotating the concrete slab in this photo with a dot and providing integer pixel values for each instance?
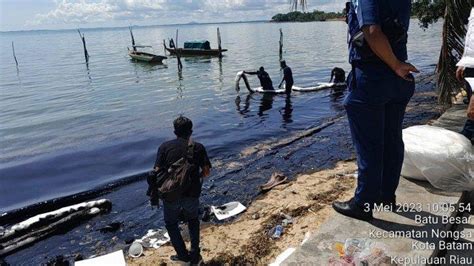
(419, 225)
(413, 235)
(463, 254)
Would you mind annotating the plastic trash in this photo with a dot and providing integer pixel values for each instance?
(344, 261)
(154, 238)
(373, 253)
(115, 258)
(360, 252)
(277, 231)
(339, 248)
(353, 246)
(442, 157)
(228, 210)
(287, 220)
(135, 250)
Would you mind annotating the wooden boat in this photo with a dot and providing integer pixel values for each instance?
(144, 56)
(196, 48)
(195, 52)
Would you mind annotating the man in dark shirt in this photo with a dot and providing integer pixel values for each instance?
(265, 80)
(187, 206)
(287, 77)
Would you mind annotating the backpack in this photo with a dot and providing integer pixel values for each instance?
(175, 182)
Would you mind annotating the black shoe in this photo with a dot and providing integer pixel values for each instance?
(178, 259)
(390, 204)
(197, 262)
(353, 210)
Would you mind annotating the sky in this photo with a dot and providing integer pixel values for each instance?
(64, 14)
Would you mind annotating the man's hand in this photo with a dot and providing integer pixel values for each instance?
(403, 70)
(470, 109)
(380, 45)
(460, 73)
(205, 171)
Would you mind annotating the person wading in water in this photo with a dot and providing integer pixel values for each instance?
(287, 77)
(265, 80)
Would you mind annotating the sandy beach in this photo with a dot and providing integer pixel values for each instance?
(246, 240)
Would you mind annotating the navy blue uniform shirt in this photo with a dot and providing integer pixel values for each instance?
(378, 12)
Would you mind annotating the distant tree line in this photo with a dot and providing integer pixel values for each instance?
(297, 16)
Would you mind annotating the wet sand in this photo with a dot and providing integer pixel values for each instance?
(307, 199)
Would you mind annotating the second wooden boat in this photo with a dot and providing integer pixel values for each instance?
(146, 57)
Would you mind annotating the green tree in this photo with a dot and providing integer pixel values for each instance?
(455, 14)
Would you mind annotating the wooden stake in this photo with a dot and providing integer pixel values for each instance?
(219, 42)
(180, 66)
(281, 44)
(86, 54)
(14, 55)
(133, 39)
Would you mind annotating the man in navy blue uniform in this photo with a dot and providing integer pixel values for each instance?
(381, 85)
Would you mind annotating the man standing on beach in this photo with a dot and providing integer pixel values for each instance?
(187, 206)
(380, 85)
(287, 77)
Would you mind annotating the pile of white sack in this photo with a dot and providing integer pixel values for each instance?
(442, 157)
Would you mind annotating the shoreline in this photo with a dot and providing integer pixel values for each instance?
(307, 199)
(309, 152)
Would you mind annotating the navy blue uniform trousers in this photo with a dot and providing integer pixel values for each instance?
(375, 108)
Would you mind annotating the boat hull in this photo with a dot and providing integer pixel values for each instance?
(195, 52)
(146, 57)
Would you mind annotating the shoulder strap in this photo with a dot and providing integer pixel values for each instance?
(190, 150)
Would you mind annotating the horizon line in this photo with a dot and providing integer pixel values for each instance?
(140, 26)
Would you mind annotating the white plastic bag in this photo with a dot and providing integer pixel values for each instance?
(440, 156)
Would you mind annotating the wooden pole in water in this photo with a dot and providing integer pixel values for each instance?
(180, 66)
(164, 46)
(133, 39)
(281, 44)
(219, 42)
(86, 54)
(14, 55)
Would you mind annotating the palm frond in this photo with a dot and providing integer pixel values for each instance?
(295, 3)
(454, 31)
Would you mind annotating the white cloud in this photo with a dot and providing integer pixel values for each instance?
(80, 12)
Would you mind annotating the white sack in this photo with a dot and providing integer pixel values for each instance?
(442, 157)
